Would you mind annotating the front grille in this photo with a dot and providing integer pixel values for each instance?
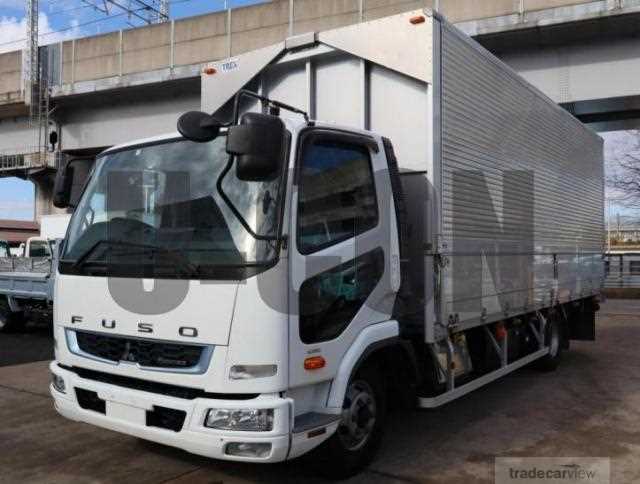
(147, 353)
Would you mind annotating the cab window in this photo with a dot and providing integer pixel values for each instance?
(336, 194)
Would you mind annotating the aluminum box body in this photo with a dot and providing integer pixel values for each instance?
(504, 188)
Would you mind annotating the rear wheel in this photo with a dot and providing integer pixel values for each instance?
(553, 339)
(9, 320)
(358, 437)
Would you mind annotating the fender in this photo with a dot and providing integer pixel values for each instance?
(370, 338)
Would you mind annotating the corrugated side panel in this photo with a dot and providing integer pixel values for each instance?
(521, 192)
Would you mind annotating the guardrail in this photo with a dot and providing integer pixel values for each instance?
(29, 158)
(622, 270)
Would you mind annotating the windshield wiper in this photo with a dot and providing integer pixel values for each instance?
(182, 263)
(80, 261)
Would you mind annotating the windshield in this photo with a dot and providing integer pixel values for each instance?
(39, 248)
(154, 210)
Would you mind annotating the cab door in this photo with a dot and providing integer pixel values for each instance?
(343, 238)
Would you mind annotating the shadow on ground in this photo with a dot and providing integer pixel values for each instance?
(32, 343)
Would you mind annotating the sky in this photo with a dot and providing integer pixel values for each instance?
(67, 19)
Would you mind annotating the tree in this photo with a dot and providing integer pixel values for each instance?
(624, 173)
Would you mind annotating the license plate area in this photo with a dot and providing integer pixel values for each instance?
(126, 413)
(152, 416)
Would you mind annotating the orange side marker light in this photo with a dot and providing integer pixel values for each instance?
(314, 363)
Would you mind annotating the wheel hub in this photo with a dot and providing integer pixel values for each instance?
(358, 415)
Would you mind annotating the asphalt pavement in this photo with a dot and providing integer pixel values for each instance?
(589, 407)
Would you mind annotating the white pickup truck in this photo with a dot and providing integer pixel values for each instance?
(26, 283)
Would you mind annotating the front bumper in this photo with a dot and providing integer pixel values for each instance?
(126, 410)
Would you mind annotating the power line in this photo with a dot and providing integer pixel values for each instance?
(73, 9)
(155, 11)
(66, 29)
(90, 22)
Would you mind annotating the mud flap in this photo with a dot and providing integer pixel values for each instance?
(582, 321)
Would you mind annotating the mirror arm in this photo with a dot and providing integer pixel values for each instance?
(266, 102)
(233, 208)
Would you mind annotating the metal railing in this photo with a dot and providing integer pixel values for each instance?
(28, 158)
(25, 264)
(622, 270)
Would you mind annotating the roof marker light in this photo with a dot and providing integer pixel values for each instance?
(418, 19)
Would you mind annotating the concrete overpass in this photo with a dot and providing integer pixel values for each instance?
(128, 84)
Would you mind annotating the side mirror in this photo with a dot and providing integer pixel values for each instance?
(198, 126)
(62, 186)
(69, 182)
(258, 145)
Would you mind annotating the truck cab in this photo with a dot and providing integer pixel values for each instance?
(36, 247)
(224, 289)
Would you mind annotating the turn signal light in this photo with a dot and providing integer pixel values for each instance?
(418, 19)
(314, 363)
(210, 71)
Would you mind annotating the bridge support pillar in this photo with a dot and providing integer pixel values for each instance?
(43, 193)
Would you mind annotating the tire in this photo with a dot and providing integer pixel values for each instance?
(358, 437)
(553, 339)
(9, 321)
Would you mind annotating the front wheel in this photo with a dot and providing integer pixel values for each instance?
(358, 437)
(9, 320)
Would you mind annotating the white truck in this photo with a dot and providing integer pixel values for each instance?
(52, 228)
(27, 282)
(264, 284)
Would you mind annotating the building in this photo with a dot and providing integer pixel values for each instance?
(17, 231)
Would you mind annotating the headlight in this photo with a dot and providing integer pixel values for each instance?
(256, 420)
(58, 383)
(247, 372)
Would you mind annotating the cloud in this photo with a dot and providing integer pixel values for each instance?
(13, 31)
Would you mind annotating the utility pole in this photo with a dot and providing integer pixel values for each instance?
(608, 206)
(164, 11)
(31, 57)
